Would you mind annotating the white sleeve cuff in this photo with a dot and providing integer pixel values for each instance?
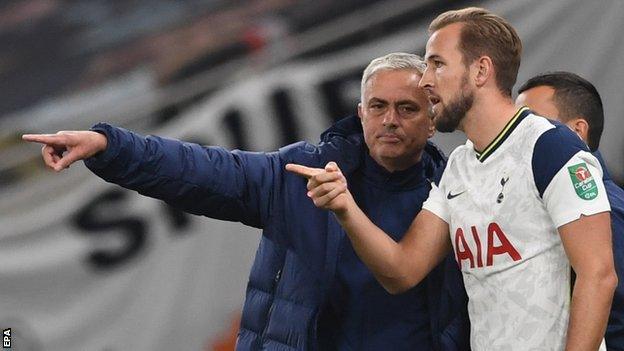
(577, 189)
(436, 204)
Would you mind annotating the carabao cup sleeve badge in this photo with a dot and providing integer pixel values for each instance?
(583, 181)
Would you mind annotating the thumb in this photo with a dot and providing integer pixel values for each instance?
(332, 167)
(67, 159)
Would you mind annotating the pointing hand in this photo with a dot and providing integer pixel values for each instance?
(66, 147)
(326, 187)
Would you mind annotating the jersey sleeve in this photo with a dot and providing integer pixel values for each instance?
(436, 203)
(577, 189)
(568, 177)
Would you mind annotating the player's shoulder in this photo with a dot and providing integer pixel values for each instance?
(531, 128)
(461, 151)
(553, 148)
(556, 140)
(457, 156)
(547, 137)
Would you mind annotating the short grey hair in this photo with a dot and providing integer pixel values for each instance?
(392, 62)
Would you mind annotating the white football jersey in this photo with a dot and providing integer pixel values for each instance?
(503, 207)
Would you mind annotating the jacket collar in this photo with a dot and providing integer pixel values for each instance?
(345, 127)
(605, 172)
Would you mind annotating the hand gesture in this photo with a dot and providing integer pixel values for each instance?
(326, 187)
(64, 148)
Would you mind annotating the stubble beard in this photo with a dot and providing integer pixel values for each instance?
(454, 112)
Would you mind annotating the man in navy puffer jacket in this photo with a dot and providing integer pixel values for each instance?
(307, 289)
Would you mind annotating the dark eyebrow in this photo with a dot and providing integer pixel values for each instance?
(410, 102)
(376, 99)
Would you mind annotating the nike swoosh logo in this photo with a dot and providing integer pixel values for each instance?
(452, 196)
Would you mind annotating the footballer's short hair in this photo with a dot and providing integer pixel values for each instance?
(486, 34)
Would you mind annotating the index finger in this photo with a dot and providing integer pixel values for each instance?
(53, 139)
(303, 171)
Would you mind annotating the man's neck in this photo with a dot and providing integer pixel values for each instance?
(486, 120)
(393, 164)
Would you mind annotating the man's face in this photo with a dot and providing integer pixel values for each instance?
(395, 119)
(446, 79)
(540, 100)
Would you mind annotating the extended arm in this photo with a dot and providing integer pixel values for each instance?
(397, 266)
(211, 181)
(587, 242)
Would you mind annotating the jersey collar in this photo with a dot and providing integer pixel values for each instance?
(503, 135)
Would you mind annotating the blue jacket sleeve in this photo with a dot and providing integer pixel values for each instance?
(209, 181)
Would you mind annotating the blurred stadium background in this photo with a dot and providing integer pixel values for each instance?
(88, 266)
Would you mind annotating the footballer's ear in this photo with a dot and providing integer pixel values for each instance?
(359, 110)
(579, 126)
(483, 70)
